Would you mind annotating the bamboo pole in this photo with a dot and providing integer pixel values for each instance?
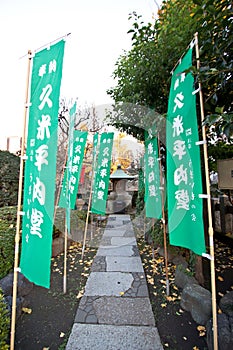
(153, 248)
(92, 224)
(19, 213)
(88, 210)
(87, 217)
(210, 229)
(163, 219)
(60, 184)
(67, 209)
(89, 202)
(54, 217)
(65, 254)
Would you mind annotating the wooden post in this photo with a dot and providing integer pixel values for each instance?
(213, 213)
(210, 230)
(65, 255)
(87, 218)
(60, 184)
(89, 203)
(153, 248)
(222, 215)
(163, 219)
(19, 213)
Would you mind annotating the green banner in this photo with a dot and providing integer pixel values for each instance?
(68, 196)
(184, 183)
(102, 175)
(40, 167)
(153, 199)
(65, 197)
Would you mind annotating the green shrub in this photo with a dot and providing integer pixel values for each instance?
(7, 243)
(156, 234)
(141, 193)
(7, 239)
(9, 178)
(4, 323)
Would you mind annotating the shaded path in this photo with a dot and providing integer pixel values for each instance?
(115, 310)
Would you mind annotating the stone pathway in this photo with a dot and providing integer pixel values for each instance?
(115, 311)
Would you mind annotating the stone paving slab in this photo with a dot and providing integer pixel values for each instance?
(118, 233)
(107, 287)
(108, 283)
(114, 232)
(99, 264)
(115, 311)
(116, 251)
(111, 337)
(124, 264)
(122, 241)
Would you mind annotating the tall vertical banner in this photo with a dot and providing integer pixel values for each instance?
(102, 175)
(184, 183)
(40, 167)
(72, 173)
(153, 200)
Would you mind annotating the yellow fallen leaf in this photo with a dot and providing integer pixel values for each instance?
(62, 335)
(184, 338)
(163, 282)
(122, 293)
(219, 311)
(195, 348)
(80, 294)
(151, 281)
(45, 348)
(164, 305)
(27, 310)
(220, 278)
(201, 328)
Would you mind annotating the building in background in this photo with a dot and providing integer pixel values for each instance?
(11, 144)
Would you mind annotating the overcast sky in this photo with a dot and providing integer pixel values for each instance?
(98, 37)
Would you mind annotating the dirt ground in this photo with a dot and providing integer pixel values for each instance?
(49, 313)
(47, 320)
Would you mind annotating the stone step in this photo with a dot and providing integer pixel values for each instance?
(111, 337)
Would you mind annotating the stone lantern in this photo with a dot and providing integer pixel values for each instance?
(119, 200)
